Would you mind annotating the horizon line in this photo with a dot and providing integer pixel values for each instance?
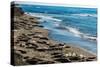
(53, 4)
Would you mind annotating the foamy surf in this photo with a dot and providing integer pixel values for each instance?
(44, 16)
(86, 15)
(77, 33)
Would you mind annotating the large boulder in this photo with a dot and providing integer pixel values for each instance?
(16, 11)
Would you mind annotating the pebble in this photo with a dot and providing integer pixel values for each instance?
(81, 56)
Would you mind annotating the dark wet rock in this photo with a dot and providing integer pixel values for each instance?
(58, 56)
(31, 45)
(91, 57)
(52, 46)
(26, 57)
(46, 49)
(41, 49)
(42, 42)
(37, 32)
(47, 62)
(31, 34)
(74, 58)
(56, 53)
(57, 48)
(30, 61)
(60, 44)
(35, 25)
(16, 10)
(22, 45)
(23, 37)
(40, 26)
(33, 61)
(67, 47)
(62, 60)
(31, 18)
(44, 38)
(23, 52)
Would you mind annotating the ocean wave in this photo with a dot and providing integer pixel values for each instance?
(86, 15)
(77, 33)
(44, 17)
(74, 31)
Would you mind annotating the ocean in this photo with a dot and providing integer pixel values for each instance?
(73, 25)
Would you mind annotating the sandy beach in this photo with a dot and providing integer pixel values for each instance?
(30, 44)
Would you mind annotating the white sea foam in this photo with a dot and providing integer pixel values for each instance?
(92, 15)
(77, 33)
(90, 37)
(44, 16)
(74, 31)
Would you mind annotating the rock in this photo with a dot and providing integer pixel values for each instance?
(56, 48)
(81, 56)
(22, 44)
(74, 54)
(23, 37)
(38, 36)
(26, 57)
(23, 52)
(17, 11)
(69, 54)
(33, 61)
(31, 45)
(91, 57)
(42, 42)
(44, 38)
(41, 49)
(47, 62)
(56, 53)
(52, 46)
(74, 58)
(31, 18)
(63, 60)
(60, 44)
(67, 46)
(40, 26)
(66, 55)
(31, 34)
(58, 56)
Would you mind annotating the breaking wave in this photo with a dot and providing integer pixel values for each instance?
(86, 15)
(77, 33)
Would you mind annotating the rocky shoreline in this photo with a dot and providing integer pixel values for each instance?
(30, 44)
